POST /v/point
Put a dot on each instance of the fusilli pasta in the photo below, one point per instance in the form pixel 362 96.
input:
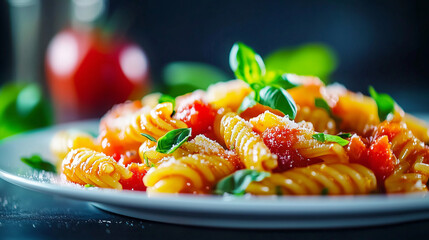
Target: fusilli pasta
pixel 195 173
pixel 85 166
pixel 332 179
pixel 306 145
pixel 238 135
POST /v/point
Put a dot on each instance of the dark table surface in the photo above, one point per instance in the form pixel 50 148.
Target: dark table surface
pixel 25 214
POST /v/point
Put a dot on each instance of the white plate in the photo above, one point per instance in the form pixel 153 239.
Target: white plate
pixel 213 211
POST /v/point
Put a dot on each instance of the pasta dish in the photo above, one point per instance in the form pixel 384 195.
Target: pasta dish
pixel 265 133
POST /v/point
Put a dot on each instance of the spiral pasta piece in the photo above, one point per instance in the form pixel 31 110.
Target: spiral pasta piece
pixel 332 179
pixel 155 122
pixel 320 119
pixel 85 166
pixel 250 147
pixel 200 144
pixel 406 183
pixel 64 141
pixel 196 173
pixel 412 169
pixel 306 145
pixel 411 153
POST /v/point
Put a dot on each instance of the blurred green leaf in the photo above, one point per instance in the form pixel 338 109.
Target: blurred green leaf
pixel 184 77
pixel 310 59
pixel 22 108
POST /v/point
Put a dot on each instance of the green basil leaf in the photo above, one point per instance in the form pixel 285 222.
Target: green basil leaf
pixel 237 182
pixel 321 103
pixel 246 64
pixel 38 163
pixel 89 186
pixel 277 79
pixel 323 137
pixel 344 135
pixel 248 102
pixel 23 107
pixel 172 140
pixel 167 98
pixel 312 59
pixel 149 137
pixel 278 98
pixel 385 103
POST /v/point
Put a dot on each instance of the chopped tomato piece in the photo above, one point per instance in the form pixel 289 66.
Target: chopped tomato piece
pixel 280 141
pixel 381 159
pixel 387 128
pixel 136 181
pixel 110 145
pixel 357 151
pixel 130 157
pixel 197 115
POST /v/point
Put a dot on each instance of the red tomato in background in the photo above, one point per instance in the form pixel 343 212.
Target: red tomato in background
pixel 89 73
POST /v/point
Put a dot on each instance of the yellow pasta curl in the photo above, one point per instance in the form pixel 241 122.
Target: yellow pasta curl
pixel 196 173
pixel 200 144
pixel 406 183
pixel 155 122
pixel 410 152
pixel 320 119
pixel 306 145
pixel 85 166
pixel 332 179
pixel 250 147
pixel 64 141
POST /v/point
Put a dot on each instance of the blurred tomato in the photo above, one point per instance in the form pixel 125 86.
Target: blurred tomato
pixel 89 72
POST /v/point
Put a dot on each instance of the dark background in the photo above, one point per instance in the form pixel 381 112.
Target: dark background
pixel 382 43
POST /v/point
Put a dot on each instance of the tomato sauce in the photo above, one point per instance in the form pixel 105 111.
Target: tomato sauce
pixel 136 181
pixel 280 140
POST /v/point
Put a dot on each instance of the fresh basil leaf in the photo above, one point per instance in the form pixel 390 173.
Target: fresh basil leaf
pixel 385 103
pixel 38 163
pixel 321 103
pixel 173 140
pixel 278 98
pixel 324 192
pixel 89 186
pixel 237 182
pixel 246 64
pixel 248 102
pixel 344 135
pixel 310 59
pixel 23 107
pixel 148 137
pixel 167 98
pixel 323 137
pixel 277 79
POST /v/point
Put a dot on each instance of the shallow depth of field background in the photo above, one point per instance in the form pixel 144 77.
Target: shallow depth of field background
pixel 379 43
